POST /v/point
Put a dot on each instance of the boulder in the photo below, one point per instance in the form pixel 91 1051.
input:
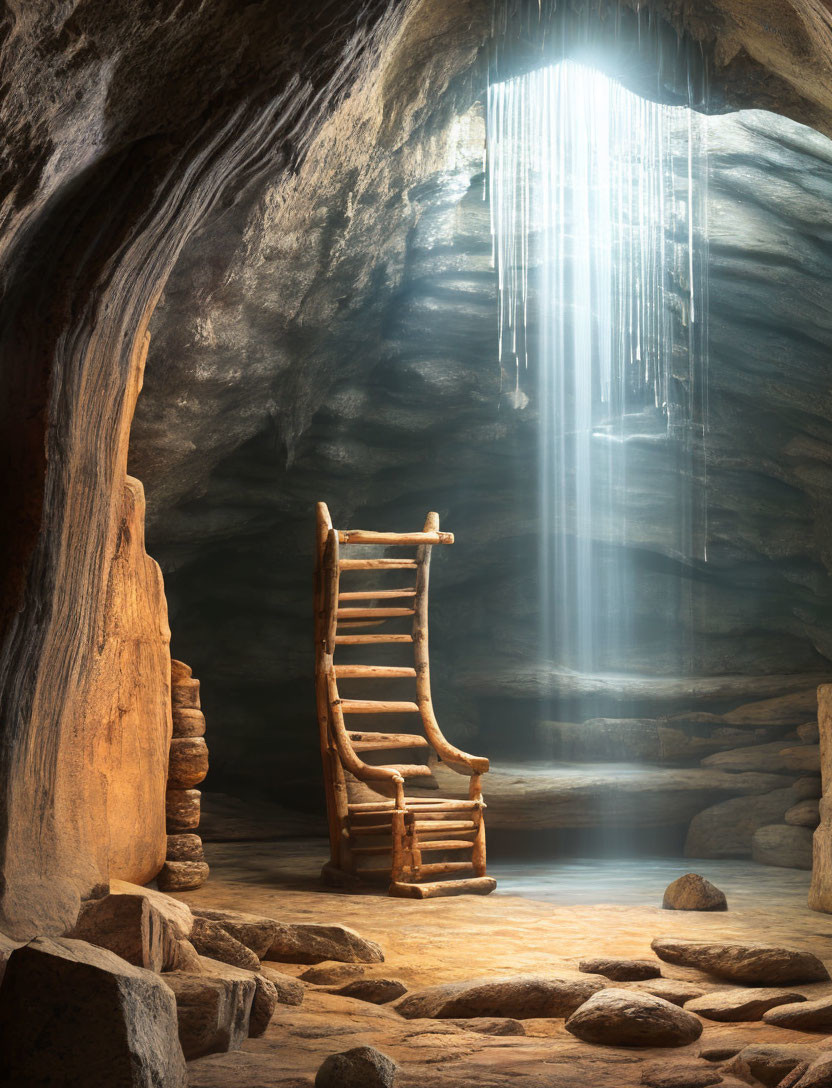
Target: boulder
pixel 182 876
pixel 520 997
pixel 74 1014
pixel 489 1025
pixel 769 1063
pixel 758 964
pixel 185 847
pixel 176 913
pixel 361 1067
pixel 129 926
pixel 725 830
pixel 210 939
pixel 179 671
pixel 376 991
pixel 804 813
pixel 783 845
pixel 331 973
pixel 254 931
pixel 730 1006
pixel 671 989
pixel 673 1075
pixel 616 1017
pixel 818 1074
pixel 805 1016
pixel 693 892
pixel 289 990
pixel 621 970
pixel 310 942
pixel 213 1007
pixel 266 1000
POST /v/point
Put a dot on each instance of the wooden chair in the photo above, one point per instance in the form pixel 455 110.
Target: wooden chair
pixel 371 818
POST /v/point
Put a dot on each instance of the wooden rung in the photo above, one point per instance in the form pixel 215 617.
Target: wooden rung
pixel 370 850
pixel 343 624
pixel 378 564
pixel 371 672
pixel 376 594
pixel 371 742
pixel 418 804
pixel 446 867
pixel 407 540
pixel 432 826
pixel 372 613
pixel 446 844
pixel 476 885
pixel 361 640
pixel 434 804
pixel 377 706
pixel 371 829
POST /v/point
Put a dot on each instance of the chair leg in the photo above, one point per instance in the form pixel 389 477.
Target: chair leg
pixel 478 852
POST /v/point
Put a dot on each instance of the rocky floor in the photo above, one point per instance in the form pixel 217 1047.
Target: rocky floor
pixel 565 912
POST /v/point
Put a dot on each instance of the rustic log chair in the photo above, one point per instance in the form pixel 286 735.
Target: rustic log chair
pixel 394 824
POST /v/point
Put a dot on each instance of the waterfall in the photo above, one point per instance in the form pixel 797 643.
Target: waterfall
pixel 597 211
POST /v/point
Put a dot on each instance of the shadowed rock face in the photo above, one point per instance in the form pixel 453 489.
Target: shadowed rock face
pixel 124 126
pixel 375 386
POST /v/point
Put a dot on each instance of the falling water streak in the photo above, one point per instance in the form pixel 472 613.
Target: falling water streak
pixel 597 234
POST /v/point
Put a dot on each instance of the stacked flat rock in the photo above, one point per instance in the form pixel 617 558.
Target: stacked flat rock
pixel 185 865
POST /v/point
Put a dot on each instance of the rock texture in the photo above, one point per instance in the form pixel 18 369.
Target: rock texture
pixel 757 964
pixel 693 892
pixel 623 1018
pixel 361 1067
pixel 769 1063
pixel 737 1005
pixel 621 970
pixel 256 933
pixel 806 1016
pixel 213 1007
pixel 129 926
pixel 378 991
pixel 212 940
pixel 820 893
pixel 520 997
pixel 312 942
pixel 71 1013
pixel 785 845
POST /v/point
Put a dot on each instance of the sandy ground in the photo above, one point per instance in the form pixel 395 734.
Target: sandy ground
pixel 472 937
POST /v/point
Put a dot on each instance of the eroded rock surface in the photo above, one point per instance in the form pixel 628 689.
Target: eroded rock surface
pixel 616 1017
pixel 71 1013
pixel 758 964
pixel 315 942
pixel 693 892
pixel 519 997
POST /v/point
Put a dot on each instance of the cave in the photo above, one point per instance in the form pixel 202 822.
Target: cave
pixel 536 288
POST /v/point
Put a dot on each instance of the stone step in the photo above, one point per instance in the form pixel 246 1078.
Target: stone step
pixel 541 796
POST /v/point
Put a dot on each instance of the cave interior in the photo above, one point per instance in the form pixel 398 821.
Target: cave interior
pixel 555 272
